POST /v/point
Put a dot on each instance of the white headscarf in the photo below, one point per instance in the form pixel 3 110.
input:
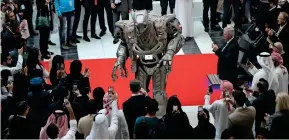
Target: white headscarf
pixel 100 126
pixel 266 62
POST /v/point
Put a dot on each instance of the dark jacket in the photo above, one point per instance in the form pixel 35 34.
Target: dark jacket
pixel 227 61
pixel 279 127
pixel 19 128
pixel 204 130
pixel 265 103
pixel 178 126
pixel 272 18
pixel 142 5
pixel 133 108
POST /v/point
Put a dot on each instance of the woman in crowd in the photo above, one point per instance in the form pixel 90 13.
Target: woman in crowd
pixel 204 129
pixel 43 11
pixel 35 68
pixel 57 70
pixel 76 81
pixel 221 108
pixel 176 120
pixel 279 122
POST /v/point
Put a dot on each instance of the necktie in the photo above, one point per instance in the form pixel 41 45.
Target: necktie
pixel 95 2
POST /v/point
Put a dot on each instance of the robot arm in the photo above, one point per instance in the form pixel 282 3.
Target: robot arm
pixel 175 44
pixel 122 55
pixel 175 32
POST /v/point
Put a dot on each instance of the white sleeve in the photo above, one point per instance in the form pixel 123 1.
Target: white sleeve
pixel 72 131
pixel 123 125
pixel 18 66
pixel 210 108
pixel 253 70
pixel 114 121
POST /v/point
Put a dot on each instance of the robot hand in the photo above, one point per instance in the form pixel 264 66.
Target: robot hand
pixel 166 61
pixel 122 69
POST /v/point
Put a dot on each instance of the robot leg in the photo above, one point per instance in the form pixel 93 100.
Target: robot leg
pixel 159 85
pixel 143 77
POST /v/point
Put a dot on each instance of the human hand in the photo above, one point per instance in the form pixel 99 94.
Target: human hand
pixel 266 118
pixel 249 65
pixel 86 74
pixel 10 87
pixel 113 96
pixel 25 71
pixel 270 32
pixel 142 91
pixel 20 51
pixel 215 47
pixel 113 6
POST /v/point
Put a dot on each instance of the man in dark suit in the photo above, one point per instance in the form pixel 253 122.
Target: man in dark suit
pixel 121 7
pixel 273 14
pixel 105 4
pixel 228 56
pixel 91 10
pixel 265 103
pixel 135 106
pixel 19 127
pixel 281 34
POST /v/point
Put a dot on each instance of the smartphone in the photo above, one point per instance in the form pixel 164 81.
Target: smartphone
pixel 65 101
pixel 86 70
pixel 110 90
pixel 210 89
pixel 75 87
pixel 175 108
pixel 10 80
pixel 200 108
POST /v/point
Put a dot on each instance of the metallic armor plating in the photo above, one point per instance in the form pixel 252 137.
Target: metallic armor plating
pixel 150 41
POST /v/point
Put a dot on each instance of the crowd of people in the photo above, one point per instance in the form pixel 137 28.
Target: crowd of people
pixel 33 108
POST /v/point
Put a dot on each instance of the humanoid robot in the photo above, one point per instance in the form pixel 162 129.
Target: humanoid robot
pixel 150 41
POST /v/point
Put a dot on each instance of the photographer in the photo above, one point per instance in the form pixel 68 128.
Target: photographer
pixel 78 83
pixel 6 61
pixel 57 71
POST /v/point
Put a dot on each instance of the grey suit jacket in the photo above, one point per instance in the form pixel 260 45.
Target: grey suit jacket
pixel 242 120
pixel 124 6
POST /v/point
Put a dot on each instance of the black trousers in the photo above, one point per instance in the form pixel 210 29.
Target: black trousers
pixel 263 11
pixel 210 4
pixel 164 5
pixel 90 11
pixel 28 16
pixel 109 16
pixel 44 37
pixel 236 4
pixel 76 19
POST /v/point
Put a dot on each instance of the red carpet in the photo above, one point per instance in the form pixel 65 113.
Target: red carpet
pixel 188 79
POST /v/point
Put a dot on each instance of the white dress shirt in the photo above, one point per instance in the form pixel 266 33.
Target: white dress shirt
pixel 15 69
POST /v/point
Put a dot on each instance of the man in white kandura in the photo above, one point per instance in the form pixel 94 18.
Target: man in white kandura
pixel 184 13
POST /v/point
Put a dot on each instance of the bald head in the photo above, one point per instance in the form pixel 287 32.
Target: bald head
pixel 229 33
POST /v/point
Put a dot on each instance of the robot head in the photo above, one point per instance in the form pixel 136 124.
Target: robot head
pixel 140 19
